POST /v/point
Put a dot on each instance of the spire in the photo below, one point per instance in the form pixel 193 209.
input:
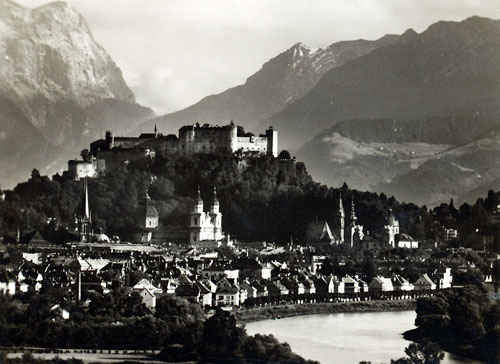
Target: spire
pixel 156 131
pixel 341 205
pixel 86 207
pixel 215 195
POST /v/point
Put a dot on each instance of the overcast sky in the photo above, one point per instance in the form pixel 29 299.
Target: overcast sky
pixel 174 52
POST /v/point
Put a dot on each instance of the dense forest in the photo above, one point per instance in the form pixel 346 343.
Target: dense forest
pixel 262 198
pixel 461 320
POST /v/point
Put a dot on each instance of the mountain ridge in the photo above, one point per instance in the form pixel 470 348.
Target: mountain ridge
pixel 281 80
pixel 57 76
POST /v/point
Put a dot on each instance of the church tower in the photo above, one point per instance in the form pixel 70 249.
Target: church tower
pixel 355 230
pixel 216 216
pixel 392 229
pixel 341 220
pixel 85 218
pixel 196 219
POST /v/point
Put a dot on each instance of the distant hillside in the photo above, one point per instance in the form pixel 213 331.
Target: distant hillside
pixel 426 161
pixel 282 80
pixel 60 88
pixel 450 67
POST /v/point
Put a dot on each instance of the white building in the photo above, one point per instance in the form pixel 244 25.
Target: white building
pixel 406 241
pixel 381 284
pixel 443 278
pixel 205 225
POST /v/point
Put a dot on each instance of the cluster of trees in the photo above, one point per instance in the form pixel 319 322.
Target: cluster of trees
pixel 220 340
pixel 117 320
pixel 462 320
pixel 120 323
pixel 27 358
pixel 262 198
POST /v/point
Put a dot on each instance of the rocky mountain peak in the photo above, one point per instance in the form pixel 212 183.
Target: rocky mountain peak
pixel 58 80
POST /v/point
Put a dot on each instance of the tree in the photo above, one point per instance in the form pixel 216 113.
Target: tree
pixel 284 155
pixel 426 353
pixel 85 155
pixel 369 269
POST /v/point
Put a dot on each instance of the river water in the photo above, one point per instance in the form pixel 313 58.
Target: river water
pixel 346 338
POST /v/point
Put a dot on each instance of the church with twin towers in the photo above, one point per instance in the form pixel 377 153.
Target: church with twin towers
pixel 343 234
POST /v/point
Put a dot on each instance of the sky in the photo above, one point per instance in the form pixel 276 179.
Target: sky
pixel 175 52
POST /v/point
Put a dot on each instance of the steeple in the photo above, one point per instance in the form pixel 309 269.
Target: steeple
pixel 341 222
pixel 341 206
pixel 156 131
pixel 86 207
pixel 85 219
pixel 198 206
pixel 215 203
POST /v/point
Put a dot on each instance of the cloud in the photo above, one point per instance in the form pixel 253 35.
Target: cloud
pixel 175 52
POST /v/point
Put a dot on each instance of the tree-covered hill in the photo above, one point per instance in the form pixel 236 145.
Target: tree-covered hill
pixel 261 198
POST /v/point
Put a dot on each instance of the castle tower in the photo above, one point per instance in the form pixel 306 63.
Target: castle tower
pixel 110 140
pixel 233 137
pixel 272 142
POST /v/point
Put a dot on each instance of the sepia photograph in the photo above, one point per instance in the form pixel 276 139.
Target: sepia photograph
pixel 250 182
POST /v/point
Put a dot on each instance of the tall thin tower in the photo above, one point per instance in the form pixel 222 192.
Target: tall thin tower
pixel 341 216
pixel 86 217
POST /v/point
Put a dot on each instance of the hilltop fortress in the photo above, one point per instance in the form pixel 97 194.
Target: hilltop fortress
pixel 108 153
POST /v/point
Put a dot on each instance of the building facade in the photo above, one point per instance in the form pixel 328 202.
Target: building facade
pixel 191 139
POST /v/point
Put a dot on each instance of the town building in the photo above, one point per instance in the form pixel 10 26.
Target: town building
pixel 424 283
pixel 406 241
pixel 381 284
pixel 205 225
pixel 450 234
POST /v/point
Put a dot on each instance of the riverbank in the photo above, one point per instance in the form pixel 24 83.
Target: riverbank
pixel 446 342
pixel 292 310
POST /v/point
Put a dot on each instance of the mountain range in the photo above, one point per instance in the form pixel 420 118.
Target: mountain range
pixel 415 115
pixel 281 81
pixel 58 89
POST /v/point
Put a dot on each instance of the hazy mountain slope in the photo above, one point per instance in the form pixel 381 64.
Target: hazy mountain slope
pixel 450 66
pixel 423 161
pixel 60 80
pixel 280 81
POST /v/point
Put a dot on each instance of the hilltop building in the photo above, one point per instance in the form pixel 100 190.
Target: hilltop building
pixel 192 139
pixel 205 225
pixel 91 168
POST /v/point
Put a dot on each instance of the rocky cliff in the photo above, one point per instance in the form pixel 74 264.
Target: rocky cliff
pixel 60 84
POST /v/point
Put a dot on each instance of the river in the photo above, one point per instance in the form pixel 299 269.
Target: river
pixel 346 338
